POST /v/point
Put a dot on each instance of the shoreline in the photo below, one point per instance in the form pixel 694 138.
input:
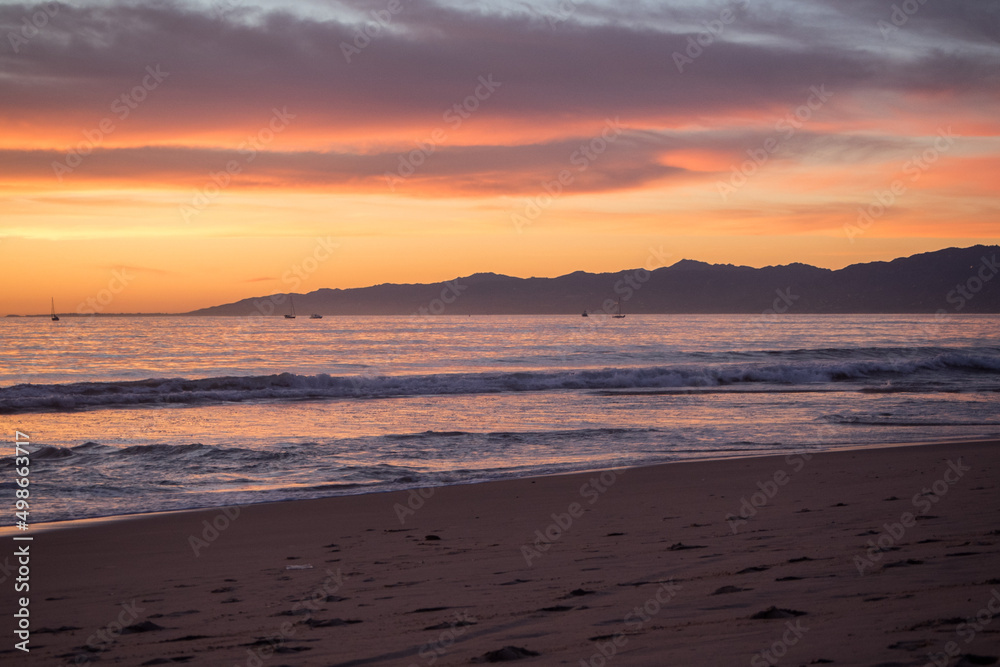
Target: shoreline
pixel 856 557
pixel 49 526
pixel 575 313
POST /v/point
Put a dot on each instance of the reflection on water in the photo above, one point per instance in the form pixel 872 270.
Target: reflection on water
pixel 532 399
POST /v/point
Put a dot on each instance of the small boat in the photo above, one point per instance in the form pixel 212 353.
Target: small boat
pixel 620 314
pixel 585 314
pixel 291 315
pixel 315 316
pixel 55 318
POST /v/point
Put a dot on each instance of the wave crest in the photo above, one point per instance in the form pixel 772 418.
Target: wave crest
pixel 794 370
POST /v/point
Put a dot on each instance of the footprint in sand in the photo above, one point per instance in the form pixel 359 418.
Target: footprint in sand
pixel 175 614
pixel 578 592
pixel 330 622
pixel 55 631
pixel 970 659
pixel 730 589
pixel 514 582
pixel 186 638
pixel 446 625
pixel 912 645
pixel 903 563
pixel 775 612
pixel 145 626
pixel 937 622
pixel 505 654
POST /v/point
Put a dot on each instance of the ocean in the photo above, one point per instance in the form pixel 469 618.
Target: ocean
pixel 142 414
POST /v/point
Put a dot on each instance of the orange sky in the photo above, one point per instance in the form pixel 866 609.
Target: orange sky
pixel 171 158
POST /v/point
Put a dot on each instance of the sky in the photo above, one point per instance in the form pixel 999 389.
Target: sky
pixel 170 156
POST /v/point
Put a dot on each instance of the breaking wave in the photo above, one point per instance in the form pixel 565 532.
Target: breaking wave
pixel 795 369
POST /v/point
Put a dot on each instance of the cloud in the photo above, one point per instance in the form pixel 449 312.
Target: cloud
pixel 626 159
pixel 623 161
pixel 229 71
pixel 556 83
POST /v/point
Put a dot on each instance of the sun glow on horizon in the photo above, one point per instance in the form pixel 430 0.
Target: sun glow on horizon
pixel 550 145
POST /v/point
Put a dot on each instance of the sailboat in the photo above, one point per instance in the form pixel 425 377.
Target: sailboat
pixel 55 318
pixel 620 314
pixel 291 315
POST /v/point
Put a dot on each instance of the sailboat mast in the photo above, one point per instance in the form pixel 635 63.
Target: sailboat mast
pixel 619 315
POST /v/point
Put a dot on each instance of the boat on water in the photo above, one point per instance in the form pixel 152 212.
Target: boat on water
pixel 585 314
pixel 291 315
pixel 315 316
pixel 55 318
pixel 619 315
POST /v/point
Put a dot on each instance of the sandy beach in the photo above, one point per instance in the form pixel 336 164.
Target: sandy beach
pixel 862 557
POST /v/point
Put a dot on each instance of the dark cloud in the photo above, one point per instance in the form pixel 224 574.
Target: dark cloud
pixel 228 70
pixel 967 23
